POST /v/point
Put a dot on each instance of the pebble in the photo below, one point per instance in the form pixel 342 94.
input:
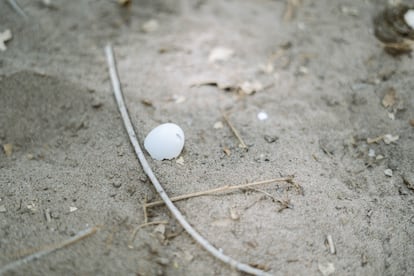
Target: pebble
pixel 262 116
pixel 270 138
pixel 388 172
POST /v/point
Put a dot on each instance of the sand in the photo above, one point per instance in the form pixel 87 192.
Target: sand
pixel 69 165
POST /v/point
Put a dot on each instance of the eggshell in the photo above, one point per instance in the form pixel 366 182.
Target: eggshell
pixel 166 141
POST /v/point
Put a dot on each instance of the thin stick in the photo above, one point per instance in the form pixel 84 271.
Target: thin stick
pixel 17 8
pixel 223 189
pixel 49 249
pixel 281 202
pixel 144 207
pixel 147 169
pixel 235 132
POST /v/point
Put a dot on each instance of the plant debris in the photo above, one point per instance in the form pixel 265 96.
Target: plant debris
pixel 388 138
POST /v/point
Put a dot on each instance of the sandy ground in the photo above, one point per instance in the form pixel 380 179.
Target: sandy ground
pixel 325 76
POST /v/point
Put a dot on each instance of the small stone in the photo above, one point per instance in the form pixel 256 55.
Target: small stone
pixel 180 161
pixel 262 116
pixel 116 184
pixel 408 179
pixel 412 122
pixel 162 261
pixel 8 149
pixel 4 37
pixel 150 26
pixel 388 172
pixel 96 103
pixel 218 125
pixel 371 153
pixel 326 269
pixel 220 54
pixel 270 139
pixel 72 209
pixel 379 157
pixel 2 209
pixel 30 156
pixel 234 215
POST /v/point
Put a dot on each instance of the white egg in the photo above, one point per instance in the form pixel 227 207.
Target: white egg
pixel 166 141
pixel 409 18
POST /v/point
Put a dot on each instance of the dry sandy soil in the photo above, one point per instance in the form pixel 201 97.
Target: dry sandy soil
pixel 325 77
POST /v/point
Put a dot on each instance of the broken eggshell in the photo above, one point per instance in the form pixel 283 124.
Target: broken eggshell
pixel 166 141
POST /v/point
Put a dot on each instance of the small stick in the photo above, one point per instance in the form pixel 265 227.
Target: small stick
pixel 331 245
pixel 234 130
pixel 291 6
pixel 223 189
pixel 375 140
pixel 144 207
pixel 134 232
pixel 49 249
pixel 17 8
pixel 284 203
pixel 116 85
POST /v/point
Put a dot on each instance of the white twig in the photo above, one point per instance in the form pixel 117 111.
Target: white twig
pixel 331 244
pixel 147 169
pixel 81 235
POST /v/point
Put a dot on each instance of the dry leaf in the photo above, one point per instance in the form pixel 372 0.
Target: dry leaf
pixel 220 54
pixel 390 98
pixel 4 37
pixel 8 149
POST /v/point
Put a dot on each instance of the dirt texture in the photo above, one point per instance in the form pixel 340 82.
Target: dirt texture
pixel 327 85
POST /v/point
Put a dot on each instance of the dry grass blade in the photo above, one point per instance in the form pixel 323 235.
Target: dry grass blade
pixel 116 85
pixel 235 132
pixel 49 249
pixel 222 189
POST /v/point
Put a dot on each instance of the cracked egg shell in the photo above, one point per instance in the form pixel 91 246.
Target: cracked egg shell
pixel 166 141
